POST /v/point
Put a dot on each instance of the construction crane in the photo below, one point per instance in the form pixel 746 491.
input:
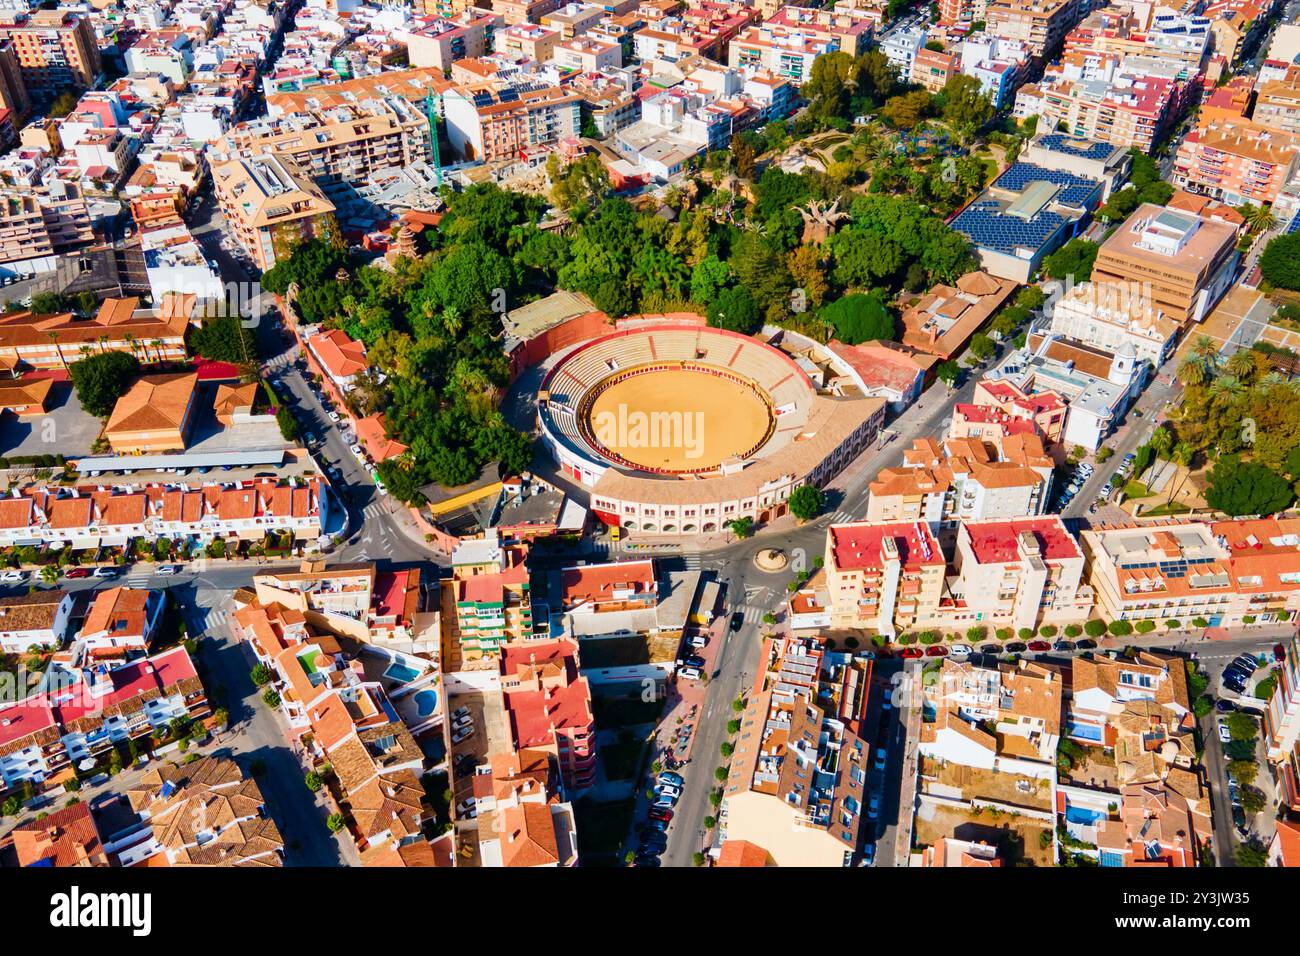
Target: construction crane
pixel 432 103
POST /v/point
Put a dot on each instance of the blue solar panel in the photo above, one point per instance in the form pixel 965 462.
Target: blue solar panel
pixel 1074 146
pixel 988 227
pixel 1077 191
pixel 1294 224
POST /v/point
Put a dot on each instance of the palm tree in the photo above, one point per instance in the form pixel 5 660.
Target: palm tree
pixel 1260 218
pixel 1192 372
pixel 1225 386
pixel 1243 366
pixel 1205 348
pixel 1162 439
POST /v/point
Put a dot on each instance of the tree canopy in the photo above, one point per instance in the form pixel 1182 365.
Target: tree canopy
pixel 1280 262
pixel 1239 487
pixel 100 380
pixel 861 317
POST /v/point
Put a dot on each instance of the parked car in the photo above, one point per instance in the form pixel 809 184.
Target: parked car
pixel 77 573
pixel 646 859
pixel 1087 644
pixel 11 577
pixel 882 757
pixel 911 653
pixel 168 569
pixel 1225 735
pixel 1247 663
pixel 1064 645
pixel 690 673
pixel 961 651
pixel 1224 706
pixel 873 807
pixel 699 640
pixel 737 621
pixel 334 417
pixel 1039 646
pixel 669 791
pixel 651 827
pixel 356 450
pixel 670 778
pixel 1015 647
pixel 463 734
pixel 655 813
pixel 991 649
pixel 936 650
pixel 694 660
pixel 104 573
pixel 467 807
pixel 868 855
pixel 1279 653
pixel 460 712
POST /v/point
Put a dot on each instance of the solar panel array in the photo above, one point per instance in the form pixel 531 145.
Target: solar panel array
pixel 986 225
pixel 1064 143
pixel 1077 191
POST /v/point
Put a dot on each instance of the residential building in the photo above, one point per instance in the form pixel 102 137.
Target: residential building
pixel 522 816
pixel 886 576
pixel 548 707
pixel 56 50
pixel 1040 24
pixel 39 619
pixel 962 479
pixel 933 69
pixel 155 414
pixel 501 122
pixel 201 813
pixel 438 42
pixel 901 47
pixel 798 776
pixel 1183 262
pixel 1123 102
pixel 943 320
pixel 56 341
pixel 66 837
pixel 491 592
pixel 121 622
pixel 1281 726
pixel 1111 317
pixel 1000 410
pixel 781 50
pixel 1237 161
pixel 1277 103
pixel 271 204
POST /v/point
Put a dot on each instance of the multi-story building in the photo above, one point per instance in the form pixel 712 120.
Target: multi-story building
pixel 1145 29
pixel 491 592
pixel 501 122
pixel 338 141
pixel 797 785
pixel 1281 727
pixel 960 480
pixel 548 707
pixel 1182 262
pixel 39 619
pixel 574 19
pixel 121 622
pixel 1237 161
pixel 1109 316
pixel 522 815
pixel 1019 574
pixel 271 205
pixel 933 69
pixel 1277 103
pixel 901 47
pixel 1226 573
pixel 782 50
pixel 1107 163
pixel 1040 24
pixel 13 91
pixel 999 64
pixel 883 576
pixel 56 50
pixel 94 707
pixel 850 27
pixel 438 42
pixel 36 225
pixel 55 341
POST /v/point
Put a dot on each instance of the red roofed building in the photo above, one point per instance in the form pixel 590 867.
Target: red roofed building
pixel 548 705
pixel 1019 574
pixel 883 576
pixel 341 357
pixel 66 837
pixel 120 621
pixel 491 589
pixel 743 853
pixel 1285 849
pixel 372 434
pixel 1044 410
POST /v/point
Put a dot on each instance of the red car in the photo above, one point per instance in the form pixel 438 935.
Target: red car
pixel 1040 646
pixel 77 573
pixel 911 653
pixel 659 813
pixel 936 650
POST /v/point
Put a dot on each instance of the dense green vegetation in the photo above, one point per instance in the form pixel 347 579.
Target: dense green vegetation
pixel 102 379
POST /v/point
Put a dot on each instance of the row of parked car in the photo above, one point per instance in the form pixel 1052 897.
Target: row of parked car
pixel 961 652
pixel 1075 478
pixel 652 837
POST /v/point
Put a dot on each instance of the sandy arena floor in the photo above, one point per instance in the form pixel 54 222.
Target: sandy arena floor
pixel 681 420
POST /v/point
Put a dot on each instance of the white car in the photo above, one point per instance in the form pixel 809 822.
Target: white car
pixel 356 450
pixel 960 651
pixel 380 487
pixel 12 576
pixel 669 791
pixel 463 734
pixel 103 573
pixel 1225 735
pixel 334 417
pixel 460 712
pixel 699 640
pixel 169 569
pixel 690 673
pixel 460 723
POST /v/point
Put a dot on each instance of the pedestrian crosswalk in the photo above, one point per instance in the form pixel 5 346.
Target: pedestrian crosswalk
pixel 214 618
pixel 750 613
pixel 138 575
pixel 376 509
pixel 691 560
pixel 840 517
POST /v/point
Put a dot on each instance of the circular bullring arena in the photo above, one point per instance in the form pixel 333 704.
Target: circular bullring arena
pixel 678 429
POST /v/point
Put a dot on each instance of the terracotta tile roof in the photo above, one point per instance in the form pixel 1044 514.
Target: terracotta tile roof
pixel 66 837
pixel 153 403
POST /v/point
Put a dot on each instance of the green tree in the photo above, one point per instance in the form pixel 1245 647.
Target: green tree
pixel 948 372
pixel 741 527
pixel 102 379
pixel 906 110
pixel 1075 258
pixel 225 339
pixel 1280 262
pixel 806 502
pixel 736 310
pixel 861 317
pixel 1239 487
pixel 964 104
pixel 335 822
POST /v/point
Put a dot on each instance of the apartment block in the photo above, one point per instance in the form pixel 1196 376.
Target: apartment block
pixel 1277 103
pixel 933 69
pixel 1040 24
pixel 271 205
pixel 439 42
pixel 30 340
pixel 501 122
pixel 37 224
pixel 1128 107
pixel 1227 573
pixel 40 619
pixel 1110 317
pixel 781 50
pixel 961 479
pixel 886 576
pixel 1237 161
pixel 1281 727
pixel 548 707
pixel 1145 29
pixel 797 788
pixel 56 50
pixel 1183 263
pixel 1019 574
pixel 491 594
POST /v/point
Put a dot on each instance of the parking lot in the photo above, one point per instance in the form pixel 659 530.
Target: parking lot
pixel 65 429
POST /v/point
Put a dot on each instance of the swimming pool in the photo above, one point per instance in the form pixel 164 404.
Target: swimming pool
pixel 402 673
pixel 1083 816
pixel 426 702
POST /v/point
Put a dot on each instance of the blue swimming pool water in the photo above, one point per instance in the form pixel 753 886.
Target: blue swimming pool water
pixel 426 701
pixel 1082 815
pixel 401 672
